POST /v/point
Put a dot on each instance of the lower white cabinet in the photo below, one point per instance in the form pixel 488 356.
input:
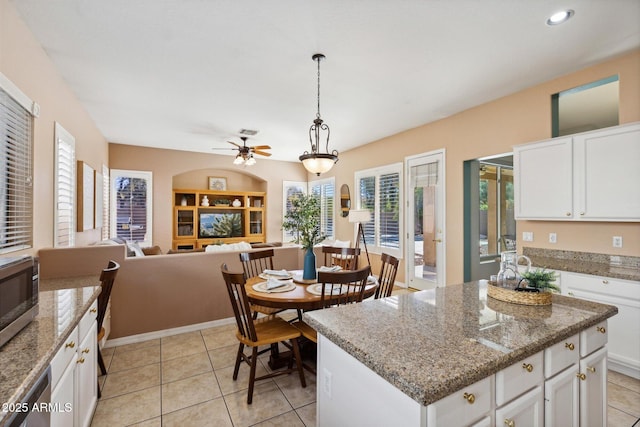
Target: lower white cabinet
pixel 593 389
pixel 624 341
pixel 526 410
pixel 561 399
pixel 464 406
pixel 74 375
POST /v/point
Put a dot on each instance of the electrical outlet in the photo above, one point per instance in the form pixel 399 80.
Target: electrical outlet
pixel 617 241
pixel 553 238
pixel 326 383
pixel 527 236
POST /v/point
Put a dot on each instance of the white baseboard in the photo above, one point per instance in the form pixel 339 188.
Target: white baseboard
pixel 623 368
pixel 167 332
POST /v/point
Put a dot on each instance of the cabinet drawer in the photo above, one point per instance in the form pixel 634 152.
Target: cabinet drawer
pixel 88 320
pixel 593 338
pixel 624 289
pixel 518 378
pixel 462 407
pixel 527 410
pixel 561 355
pixel 64 356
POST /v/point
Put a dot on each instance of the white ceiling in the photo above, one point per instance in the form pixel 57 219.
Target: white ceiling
pixel 189 74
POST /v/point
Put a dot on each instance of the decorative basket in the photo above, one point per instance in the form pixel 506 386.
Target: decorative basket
pixel 524 298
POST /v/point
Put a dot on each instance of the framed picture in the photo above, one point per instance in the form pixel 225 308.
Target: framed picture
pixel 217 183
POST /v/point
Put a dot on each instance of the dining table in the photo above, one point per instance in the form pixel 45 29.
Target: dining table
pixel 300 295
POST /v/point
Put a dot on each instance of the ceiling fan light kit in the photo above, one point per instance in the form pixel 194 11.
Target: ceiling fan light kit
pixel 316 161
pixel 245 153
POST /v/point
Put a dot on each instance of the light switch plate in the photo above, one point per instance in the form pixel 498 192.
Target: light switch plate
pixel 617 241
pixel 527 236
pixel 553 238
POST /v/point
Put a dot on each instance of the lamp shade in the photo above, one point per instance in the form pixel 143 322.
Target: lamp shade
pixel 318 162
pixel 359 215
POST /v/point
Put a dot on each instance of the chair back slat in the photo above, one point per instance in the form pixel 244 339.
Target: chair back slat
pixel 254 263
pixel 239 302
pixel 347 258
pixel 387 277
pixel 343 287
pixel 107 278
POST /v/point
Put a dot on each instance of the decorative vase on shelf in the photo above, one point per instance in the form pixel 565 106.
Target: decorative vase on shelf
pixel 309 271
pixel 183 202
pixel 205 201
pixel 236 203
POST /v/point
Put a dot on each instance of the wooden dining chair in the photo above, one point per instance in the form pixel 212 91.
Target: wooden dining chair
pixel 387 277
pixel 347 258
pixel 107 279
pixel 255 333
pixel 337 288
pixel 254 263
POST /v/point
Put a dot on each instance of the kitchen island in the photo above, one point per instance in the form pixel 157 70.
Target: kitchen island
pixel 399 360
pixel 27 355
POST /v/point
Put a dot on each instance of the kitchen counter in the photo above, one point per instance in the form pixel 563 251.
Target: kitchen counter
pixel 430 344
pixel 27 355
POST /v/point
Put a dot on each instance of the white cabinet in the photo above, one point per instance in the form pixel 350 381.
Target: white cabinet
pixel 624 341
pixel 561 399
pixel 593 389
pixel 463 407
pixel 527 410
pixel 74 375
pixel 589 176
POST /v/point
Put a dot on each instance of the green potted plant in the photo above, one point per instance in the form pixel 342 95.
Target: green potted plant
pixel 303 220
pixel 541 280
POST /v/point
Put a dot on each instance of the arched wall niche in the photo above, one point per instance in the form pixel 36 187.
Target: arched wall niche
pixel 236 181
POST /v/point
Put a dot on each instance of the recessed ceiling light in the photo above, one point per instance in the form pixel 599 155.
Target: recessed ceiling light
pixel 560 17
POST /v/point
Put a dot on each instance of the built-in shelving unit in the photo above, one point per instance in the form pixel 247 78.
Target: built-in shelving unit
pixel 203 217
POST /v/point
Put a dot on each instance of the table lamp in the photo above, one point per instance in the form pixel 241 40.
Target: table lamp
pixel 361 216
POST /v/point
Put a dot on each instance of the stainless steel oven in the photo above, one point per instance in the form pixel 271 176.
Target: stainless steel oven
pixel 18 294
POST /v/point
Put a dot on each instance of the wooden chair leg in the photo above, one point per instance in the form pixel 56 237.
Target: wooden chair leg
pixel 252 374
pixel 238 360
pixel 103 368
pixel 296 354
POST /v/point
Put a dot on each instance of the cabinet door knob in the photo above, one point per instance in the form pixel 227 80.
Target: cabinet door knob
pixel 568 214
pixel 581 376
pixel 70 344
pixel 601 329
pixel 591 369
pixel 581 213
pixel 605 282
pixel 570 294
pixel 469 397
pixel 94 310
pixel 86 350
pixel 509 423
pixel 527 366
pixel 81 360
pixel 569 345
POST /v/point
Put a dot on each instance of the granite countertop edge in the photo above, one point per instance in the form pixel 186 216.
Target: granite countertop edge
pixel 36 371
pixel 473 372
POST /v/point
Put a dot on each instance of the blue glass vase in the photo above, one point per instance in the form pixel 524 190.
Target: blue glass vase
pixel 309 271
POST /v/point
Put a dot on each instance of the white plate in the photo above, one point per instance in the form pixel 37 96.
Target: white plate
pixel 262 287
pixel 317 289
pixel 266 276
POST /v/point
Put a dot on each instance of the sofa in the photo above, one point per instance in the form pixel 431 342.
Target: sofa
pixel 159 292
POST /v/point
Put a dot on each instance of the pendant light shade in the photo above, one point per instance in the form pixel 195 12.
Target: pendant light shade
pixel 316 161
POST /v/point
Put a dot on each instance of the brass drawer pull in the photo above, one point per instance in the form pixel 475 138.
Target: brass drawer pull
pixel 527 366
pixel 94 310
pixel 509 423
pixel 81 360
pixel 469 397
pixel 591 369
pixel 86 350
pixel 601 329
pixel 70 344
pixel 605 282
pixel 581 376
pixel 569 345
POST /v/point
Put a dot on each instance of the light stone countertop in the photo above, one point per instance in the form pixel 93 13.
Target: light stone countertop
pixel 25 357
pixel 429 344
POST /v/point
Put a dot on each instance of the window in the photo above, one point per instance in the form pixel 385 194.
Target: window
pixel 379 191
pixel 105 202
pixel 65 194
pixel 325 190
pixel 16 167
pixel 290 189
pixel 131 206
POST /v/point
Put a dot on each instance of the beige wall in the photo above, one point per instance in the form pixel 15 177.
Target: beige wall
pixel 25 63
pixel 493 128
pixel 194 168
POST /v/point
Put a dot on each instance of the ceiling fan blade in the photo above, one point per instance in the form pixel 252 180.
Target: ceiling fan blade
pixel 262 153
pixel 223 148
pixel 233 143
pixel 261 147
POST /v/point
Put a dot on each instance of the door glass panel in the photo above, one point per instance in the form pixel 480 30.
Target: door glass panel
pixel 497 225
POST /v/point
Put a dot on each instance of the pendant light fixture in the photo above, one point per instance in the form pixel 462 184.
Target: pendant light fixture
pixel 316 161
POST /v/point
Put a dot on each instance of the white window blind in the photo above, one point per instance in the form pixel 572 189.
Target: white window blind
pixel 16 169
pixel 131 206
pixel 324 189
pixel 290 189
pixel 105 202
pixel 65 195
pixel 379 191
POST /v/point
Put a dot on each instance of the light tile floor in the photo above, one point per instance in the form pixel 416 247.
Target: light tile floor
pixel 185 380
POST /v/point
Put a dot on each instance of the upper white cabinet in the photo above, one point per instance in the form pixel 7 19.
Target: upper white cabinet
pixel 589 176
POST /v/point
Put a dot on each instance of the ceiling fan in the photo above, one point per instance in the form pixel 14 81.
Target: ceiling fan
pixel 245 152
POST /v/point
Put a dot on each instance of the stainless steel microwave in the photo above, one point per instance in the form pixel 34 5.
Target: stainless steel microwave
pixel 18 295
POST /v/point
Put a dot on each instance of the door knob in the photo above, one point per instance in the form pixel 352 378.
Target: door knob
pixel 437 240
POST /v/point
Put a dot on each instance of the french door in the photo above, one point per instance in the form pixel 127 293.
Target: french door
pixel 425 236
